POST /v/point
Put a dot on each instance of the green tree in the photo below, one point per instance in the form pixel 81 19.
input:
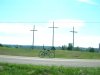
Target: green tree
pixel 53 48
pixel 91 49
pixel 77 49
pixel 1 45
pixel 64 47
pixel 70 46
pixel 17 46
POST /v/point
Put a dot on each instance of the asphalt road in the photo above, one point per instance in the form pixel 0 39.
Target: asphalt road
pixel 50 61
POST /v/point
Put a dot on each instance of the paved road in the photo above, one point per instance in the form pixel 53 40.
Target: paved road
pixel 51 61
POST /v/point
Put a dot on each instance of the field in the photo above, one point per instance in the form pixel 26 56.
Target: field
pixel 59 53
pixel 19 69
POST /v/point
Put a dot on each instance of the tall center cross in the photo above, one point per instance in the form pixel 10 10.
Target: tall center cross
pixel 73 31
pixel 33 36
pixel 53 27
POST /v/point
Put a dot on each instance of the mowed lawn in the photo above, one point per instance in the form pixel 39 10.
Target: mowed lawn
pixel 58 53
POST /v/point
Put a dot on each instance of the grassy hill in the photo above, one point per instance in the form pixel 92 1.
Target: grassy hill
pixel 58 53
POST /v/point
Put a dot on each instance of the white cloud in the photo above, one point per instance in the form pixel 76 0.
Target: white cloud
pixel 88 2
pixel 88 41
pixel 14 28
pixel 19 33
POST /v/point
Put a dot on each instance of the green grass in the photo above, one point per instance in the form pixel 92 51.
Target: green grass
pixel 19 52
pixel 59 53
pixel 77 54
pixel 19 69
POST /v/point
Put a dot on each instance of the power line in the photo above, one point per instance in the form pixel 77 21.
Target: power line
pixel 51 22
pixel 33 36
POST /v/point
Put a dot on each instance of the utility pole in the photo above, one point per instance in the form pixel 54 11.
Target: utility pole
pixel 33 36
pixel 73 31
pixel 53 27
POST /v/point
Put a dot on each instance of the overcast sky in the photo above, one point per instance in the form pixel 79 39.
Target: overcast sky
pixel 17 18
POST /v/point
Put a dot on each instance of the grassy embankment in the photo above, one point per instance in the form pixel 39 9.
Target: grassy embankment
pixel 18 69
pixel 59 53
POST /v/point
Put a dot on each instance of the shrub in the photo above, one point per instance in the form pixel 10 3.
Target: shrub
pixel 1 45
pixel 70 46
pixel 91 49
pixel 64 47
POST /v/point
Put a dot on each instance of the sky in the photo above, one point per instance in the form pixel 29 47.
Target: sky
pixel 17 18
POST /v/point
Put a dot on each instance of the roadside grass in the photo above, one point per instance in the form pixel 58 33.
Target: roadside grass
pixel 18 51
pixel 22 69
pixel 58 53
pixel 77 54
